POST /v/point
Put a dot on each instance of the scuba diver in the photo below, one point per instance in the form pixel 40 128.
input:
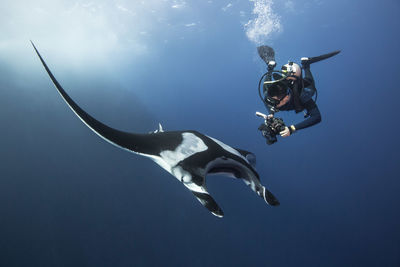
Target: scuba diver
pixel 288 90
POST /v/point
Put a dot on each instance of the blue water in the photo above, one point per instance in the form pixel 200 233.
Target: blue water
pixel 67 198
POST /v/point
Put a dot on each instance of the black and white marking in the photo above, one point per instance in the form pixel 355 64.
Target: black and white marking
pixel 188 155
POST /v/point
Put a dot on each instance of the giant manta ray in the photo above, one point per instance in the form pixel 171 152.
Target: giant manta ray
pixel 188 155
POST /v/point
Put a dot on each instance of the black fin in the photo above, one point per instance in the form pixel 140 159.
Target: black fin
pixel 322 57
pixel 266 53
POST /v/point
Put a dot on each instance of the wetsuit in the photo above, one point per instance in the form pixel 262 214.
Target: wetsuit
pixel 305 89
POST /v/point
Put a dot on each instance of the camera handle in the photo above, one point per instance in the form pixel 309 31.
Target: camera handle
pixel 265 117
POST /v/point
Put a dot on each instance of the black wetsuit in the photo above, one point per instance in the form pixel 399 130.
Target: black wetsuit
pixel 305 88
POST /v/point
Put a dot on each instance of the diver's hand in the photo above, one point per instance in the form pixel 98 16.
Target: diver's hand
pixel 285 132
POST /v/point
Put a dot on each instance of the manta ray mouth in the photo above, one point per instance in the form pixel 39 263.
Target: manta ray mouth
pixel 231 171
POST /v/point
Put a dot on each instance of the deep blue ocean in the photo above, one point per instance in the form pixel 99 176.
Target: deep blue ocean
pixel 68 198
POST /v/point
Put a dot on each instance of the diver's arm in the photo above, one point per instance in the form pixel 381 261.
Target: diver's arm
pixel 314 116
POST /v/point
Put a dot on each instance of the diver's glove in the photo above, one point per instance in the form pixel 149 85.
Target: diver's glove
pixel 288 131
pixel 271 65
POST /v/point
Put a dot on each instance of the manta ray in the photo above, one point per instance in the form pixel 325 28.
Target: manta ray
pixel 189 156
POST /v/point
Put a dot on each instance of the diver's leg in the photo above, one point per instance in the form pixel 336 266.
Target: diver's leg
pixel 308 77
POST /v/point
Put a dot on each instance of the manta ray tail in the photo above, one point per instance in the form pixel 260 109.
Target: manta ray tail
pixel 137 143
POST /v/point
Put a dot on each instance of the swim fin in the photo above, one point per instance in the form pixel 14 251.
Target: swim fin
pixel 311 60
pixel 266 53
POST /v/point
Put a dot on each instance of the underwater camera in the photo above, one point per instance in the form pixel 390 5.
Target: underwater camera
pixel 271 127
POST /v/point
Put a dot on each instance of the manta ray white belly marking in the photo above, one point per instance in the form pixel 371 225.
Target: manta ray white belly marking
pixel 191 144
pixel 187 155
pixel 168 159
